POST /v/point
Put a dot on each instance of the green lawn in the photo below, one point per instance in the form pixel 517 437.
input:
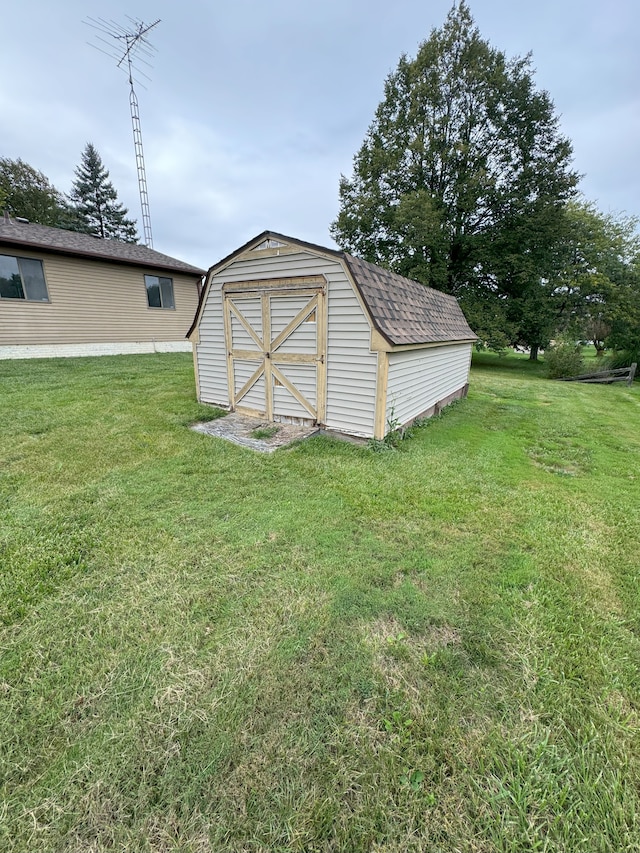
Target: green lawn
pixel 326 648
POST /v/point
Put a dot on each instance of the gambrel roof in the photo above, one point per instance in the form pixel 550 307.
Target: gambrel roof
pixel 18 234
pixel 405 312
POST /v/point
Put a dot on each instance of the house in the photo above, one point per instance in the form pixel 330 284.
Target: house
pixel 294 332
pixel 63 293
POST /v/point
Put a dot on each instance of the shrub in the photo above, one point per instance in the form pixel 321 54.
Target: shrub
pixel 624 358
pixel 563 360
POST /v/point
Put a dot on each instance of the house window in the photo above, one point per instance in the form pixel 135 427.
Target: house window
pixel 159 291
pixel 22 278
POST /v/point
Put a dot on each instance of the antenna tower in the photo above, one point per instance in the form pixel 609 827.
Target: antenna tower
pixel 127 45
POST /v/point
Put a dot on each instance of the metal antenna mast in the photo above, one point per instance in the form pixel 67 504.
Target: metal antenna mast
pixel 131 44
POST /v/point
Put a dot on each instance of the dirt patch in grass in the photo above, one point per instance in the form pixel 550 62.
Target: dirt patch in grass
pixel 398 655
pixel 386 634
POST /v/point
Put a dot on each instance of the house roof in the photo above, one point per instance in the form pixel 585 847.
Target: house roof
pixel 402 310
pixel 28 235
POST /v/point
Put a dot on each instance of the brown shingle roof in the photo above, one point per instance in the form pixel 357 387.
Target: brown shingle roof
pixel 402 310
pixel 405 311
pixel 28 235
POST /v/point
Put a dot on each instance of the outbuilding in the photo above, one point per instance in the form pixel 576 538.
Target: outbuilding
pixel 294 332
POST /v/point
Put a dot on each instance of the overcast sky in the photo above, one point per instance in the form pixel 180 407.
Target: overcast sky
pixel 255 109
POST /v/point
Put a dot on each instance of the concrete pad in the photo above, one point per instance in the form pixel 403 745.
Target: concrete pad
pixel 239 429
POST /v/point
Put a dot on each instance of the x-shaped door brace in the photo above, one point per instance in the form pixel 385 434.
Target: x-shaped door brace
pixel 267 348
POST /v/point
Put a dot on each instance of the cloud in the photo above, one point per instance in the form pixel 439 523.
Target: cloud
pixel 255 111
pixel 601 146
pixel 212 194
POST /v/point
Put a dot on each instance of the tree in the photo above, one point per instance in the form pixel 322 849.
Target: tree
pixel 623 313
pixel 594 287
pixel 26 192
pixel 96 200
pixel 462 180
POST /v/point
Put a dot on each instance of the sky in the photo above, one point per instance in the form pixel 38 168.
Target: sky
pixel 254 110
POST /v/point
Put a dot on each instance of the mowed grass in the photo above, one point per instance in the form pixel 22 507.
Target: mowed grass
pixel 322 649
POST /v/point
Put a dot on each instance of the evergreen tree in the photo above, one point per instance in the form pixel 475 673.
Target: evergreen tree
pixel 461 182
pixel 96 200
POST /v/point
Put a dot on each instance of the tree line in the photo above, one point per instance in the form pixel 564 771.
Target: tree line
pixel 465 183
pixel 91 207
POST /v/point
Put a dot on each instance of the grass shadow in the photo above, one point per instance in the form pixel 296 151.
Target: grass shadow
pixel 513 363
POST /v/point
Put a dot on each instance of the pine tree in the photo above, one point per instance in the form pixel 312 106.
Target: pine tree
pixel 96 200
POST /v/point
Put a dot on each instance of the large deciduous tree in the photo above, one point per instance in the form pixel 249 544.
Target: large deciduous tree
pixel 96 200
pixel 598 276
pixel 28 193
pixel 461 182
pixel 623 313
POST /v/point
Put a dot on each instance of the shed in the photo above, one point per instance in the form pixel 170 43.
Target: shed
pixel 295 332
pixel 67 294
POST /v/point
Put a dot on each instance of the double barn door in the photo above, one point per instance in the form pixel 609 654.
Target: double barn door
pixel 275 335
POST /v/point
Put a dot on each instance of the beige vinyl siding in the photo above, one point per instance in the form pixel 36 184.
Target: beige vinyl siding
pixel 239 335
pixel 351 366
pixel 246 268
pixel 418 379
pixel 95 302
pixel 303 378
pixel 255 396
pixel 283 308
pixel 303 339
pixel 211 352
pixel 251 310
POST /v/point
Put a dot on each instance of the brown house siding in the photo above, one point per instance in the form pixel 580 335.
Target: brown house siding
pixel 95 302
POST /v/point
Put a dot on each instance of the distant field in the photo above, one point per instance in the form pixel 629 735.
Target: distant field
pixel 326 648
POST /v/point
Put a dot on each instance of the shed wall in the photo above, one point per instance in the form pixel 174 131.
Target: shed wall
pixel 420 378
pixel 94 302
pixel 210 353
pixel 351 366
